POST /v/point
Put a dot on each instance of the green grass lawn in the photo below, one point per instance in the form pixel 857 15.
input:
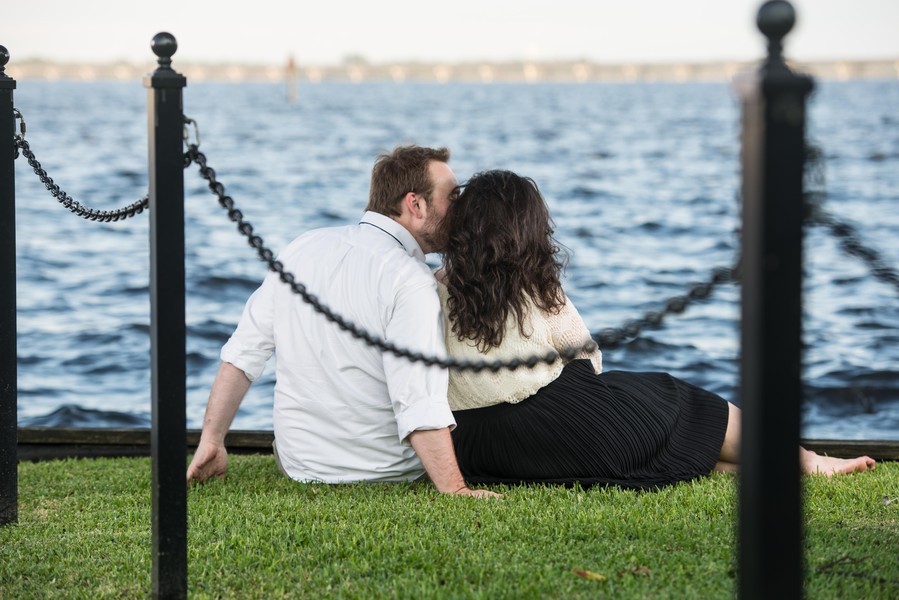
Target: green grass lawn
pixel 84 532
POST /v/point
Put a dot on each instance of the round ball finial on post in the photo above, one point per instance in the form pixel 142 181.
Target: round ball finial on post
pixel 164 46
pixel 4 58
pixel 775 20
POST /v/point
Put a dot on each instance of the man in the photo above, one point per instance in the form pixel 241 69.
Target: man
pixel 345 411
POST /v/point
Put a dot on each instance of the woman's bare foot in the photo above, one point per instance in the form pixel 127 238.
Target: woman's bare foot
pixel 815 464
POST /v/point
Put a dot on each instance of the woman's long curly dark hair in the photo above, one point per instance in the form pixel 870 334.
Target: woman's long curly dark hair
pixel 500 252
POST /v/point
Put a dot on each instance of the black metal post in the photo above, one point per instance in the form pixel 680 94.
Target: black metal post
pixel 167 328
pixel 773 156
pixel 9 464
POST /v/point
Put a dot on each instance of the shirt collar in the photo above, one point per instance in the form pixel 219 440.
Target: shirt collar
pixel 396 231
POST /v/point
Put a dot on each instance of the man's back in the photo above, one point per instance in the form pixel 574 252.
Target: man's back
pixel 341 407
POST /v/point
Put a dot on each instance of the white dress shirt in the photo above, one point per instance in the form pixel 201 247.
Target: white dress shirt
pixel 343 409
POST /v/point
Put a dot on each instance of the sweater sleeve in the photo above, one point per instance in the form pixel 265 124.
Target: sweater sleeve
pixel 569 330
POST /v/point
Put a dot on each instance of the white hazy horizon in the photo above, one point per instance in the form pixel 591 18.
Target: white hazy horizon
pixel 271 31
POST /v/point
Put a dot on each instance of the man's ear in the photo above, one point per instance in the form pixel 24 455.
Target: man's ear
pixel 413 202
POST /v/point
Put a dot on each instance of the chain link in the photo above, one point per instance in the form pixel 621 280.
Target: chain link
pixel 104 216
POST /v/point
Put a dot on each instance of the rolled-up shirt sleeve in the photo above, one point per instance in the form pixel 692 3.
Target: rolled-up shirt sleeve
pixel 252 344
pixel 418 392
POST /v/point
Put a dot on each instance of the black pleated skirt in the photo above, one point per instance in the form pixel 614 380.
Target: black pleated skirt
pixel 635 430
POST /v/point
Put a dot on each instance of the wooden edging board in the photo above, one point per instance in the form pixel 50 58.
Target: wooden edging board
pixel 45 443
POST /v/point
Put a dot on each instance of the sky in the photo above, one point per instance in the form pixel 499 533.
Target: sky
pixel 326 32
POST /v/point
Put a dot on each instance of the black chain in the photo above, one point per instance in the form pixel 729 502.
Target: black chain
pixel 614 337
pixel 73 205
pixel 194 155
pixel 851 243
pixel 608 338
pixel 850 240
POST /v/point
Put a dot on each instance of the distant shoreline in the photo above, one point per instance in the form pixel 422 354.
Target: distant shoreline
pixel 355 71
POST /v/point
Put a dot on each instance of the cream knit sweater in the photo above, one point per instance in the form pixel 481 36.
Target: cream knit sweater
pixel 544 332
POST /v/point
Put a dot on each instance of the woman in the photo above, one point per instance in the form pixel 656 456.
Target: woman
pixel 502 298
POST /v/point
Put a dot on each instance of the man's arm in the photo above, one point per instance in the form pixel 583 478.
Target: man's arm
pixel 434 448
pixel 228 390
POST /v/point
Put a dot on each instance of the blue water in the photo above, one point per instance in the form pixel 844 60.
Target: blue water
pixel 642 178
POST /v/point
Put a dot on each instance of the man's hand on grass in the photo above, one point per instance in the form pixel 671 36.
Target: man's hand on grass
pixel 483 494
pixel 210 460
